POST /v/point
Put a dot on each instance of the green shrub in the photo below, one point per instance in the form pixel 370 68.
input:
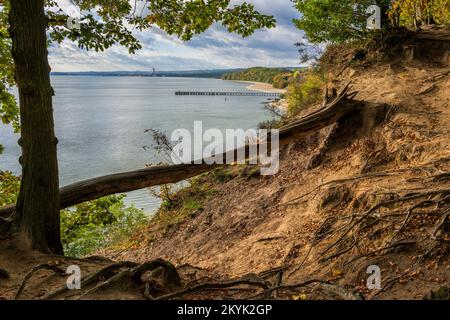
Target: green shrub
pixel 271 124
pixel 89 226
pixel 97 224
pixel 184 202
pixel 305 92
pixel 223 175
pixel 9 188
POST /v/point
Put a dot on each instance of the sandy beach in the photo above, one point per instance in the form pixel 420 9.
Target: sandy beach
pixel 263 87
pixel 281 104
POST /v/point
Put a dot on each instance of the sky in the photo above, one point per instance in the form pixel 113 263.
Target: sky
pixel 214 49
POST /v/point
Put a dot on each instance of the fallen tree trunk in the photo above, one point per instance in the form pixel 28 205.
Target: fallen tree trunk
pixel 334 108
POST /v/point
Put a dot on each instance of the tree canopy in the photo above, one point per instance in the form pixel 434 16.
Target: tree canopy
pixel 344 20
pixel 104 23
pixel 330 20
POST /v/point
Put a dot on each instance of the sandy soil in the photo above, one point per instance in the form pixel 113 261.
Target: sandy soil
pixel 372 190
pixel 263 87
pixel 256 224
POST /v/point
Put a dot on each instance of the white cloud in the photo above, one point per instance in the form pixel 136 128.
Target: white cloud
pixel 216 48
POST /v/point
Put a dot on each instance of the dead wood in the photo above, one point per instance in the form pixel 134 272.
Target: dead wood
pixel 268 273
pixel 336 107
pixel 122 276
pixel 207 286
pixel 439 225
pixel 400 243
pixel 364 167
pixel 325 286
pixel 51 267
pixel 104 273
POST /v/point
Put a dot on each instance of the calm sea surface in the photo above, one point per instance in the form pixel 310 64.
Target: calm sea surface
pixel 101 123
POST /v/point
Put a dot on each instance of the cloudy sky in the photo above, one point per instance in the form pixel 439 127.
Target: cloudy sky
pixel 216 48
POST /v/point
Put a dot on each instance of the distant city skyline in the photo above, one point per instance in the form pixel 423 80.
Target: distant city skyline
pixel 214 49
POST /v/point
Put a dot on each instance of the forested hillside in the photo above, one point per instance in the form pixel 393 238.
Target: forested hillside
pixel 278 77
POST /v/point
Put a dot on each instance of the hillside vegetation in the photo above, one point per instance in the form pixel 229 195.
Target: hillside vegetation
pixel 279 78
pixel 373 189
pixel 364 184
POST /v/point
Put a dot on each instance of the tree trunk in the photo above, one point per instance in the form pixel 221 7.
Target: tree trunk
pixel 384 6
pixel 37 210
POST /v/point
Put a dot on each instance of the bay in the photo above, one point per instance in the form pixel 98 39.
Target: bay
pixel 100 122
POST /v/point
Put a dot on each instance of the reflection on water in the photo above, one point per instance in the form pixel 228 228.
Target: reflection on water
pixel 100 122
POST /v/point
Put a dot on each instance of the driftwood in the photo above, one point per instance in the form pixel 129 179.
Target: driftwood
pixel 334 107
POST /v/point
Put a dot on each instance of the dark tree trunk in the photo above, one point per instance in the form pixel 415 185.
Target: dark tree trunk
pixel 385 21
pixel 37 210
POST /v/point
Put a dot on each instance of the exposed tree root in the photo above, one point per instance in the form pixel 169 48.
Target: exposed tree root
pixel 103 273
pixel 301 198
pixel 394 245
pixel 344 251
pixel 119 277
pixel 408 271
pixel 364 167
pixel 386 221
pixel 51 267
pixel 268 273
pixel 325 286
pixel 215 286
pixel 408 216
pixel 157 277
pixel 372 175
pixel 439 225
pixel 159 280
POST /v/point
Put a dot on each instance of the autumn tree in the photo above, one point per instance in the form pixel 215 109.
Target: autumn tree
pixel 416 12
pixel 103 23
pixel 346 20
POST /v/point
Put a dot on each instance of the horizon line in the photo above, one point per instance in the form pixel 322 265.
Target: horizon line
pixel 188 70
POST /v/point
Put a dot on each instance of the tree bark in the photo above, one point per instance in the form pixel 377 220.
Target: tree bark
pixel 38 204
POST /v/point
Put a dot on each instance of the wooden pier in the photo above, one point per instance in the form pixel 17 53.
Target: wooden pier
pixel 229 93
